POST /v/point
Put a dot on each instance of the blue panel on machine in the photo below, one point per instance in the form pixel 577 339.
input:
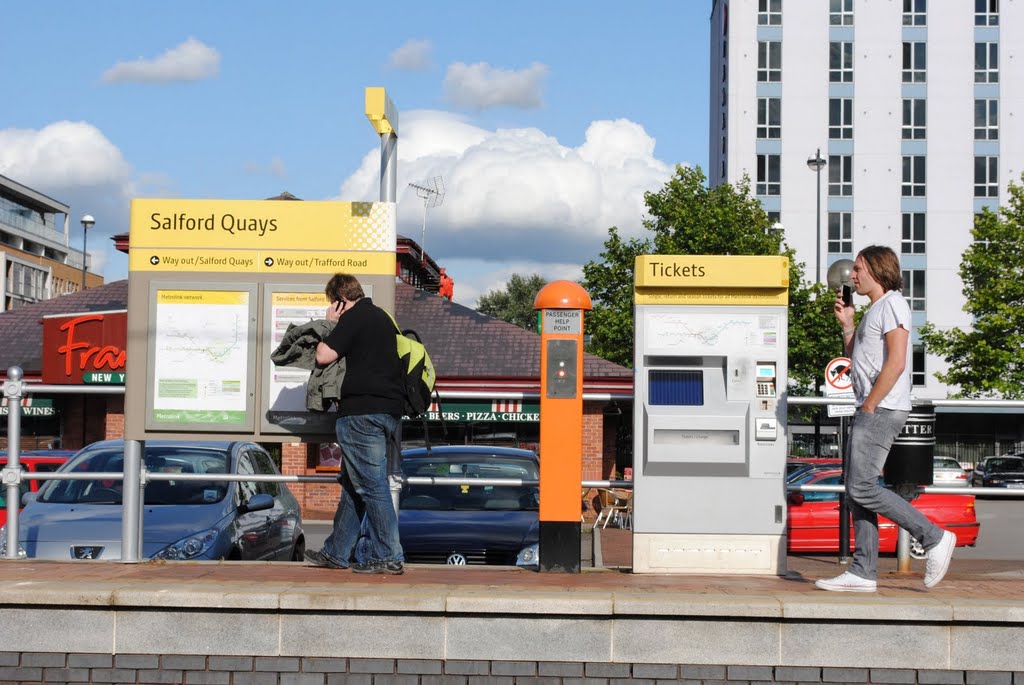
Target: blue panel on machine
pixel 679 388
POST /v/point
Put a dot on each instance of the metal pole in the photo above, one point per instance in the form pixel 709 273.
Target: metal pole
pixel 85 242
pixel 131 502
pixel 423 234
pixel 817 220
pixel 902 551
pixel 388 167
pixel 12 472
pixel 388 193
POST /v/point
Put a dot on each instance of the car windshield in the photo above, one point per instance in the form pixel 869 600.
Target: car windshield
pixel 1006 465
pixel 170 459
pixel 471 497
pixel 946 463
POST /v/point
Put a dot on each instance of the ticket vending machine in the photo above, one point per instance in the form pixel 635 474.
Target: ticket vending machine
pixel 710 414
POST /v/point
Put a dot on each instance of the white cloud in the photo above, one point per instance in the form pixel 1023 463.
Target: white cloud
pixel 191 61
pixel 481 86
pixel 517 201
pixel 73 162
pixel 414 55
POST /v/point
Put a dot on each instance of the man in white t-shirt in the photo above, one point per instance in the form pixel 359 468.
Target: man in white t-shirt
pixel 880 351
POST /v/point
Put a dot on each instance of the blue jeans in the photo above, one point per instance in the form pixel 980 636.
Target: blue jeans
pixel 871 437
pixel 365 508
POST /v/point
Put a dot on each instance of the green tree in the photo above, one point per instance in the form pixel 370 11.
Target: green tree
pixel 515 303
pixel 687 217
pixel 988 359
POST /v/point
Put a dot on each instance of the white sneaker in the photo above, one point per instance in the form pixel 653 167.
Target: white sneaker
pixel 847 582
pixel 938 559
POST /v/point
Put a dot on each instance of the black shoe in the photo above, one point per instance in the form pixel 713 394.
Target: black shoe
pixel 321 560
pixel 391 568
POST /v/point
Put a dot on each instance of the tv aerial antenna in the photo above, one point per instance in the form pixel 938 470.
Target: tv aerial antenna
pixel 432 193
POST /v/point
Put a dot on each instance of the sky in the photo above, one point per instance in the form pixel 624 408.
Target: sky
pixel 546 121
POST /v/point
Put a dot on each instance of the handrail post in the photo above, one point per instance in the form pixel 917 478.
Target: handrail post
pixel 131 502
pixel 13 392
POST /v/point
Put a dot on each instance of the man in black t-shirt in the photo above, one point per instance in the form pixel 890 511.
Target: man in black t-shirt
pixel 370 410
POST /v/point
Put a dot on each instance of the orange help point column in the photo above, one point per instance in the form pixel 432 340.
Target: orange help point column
pixel 561 305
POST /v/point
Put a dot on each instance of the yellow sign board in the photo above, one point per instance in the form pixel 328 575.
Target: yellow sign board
pixel 711 271
pixel 381 111
pixel 262 236
pixel 711 280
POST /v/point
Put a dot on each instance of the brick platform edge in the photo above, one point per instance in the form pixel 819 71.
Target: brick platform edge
pixel 58 667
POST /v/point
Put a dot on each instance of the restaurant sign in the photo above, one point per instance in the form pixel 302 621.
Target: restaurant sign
pixel 32 406
pixel 501 411
pixel 88 347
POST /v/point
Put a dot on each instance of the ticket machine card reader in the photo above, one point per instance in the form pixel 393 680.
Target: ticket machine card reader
pixel 765 380
pixel 765 428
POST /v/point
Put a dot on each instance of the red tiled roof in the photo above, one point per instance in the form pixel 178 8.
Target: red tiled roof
pixel 468 348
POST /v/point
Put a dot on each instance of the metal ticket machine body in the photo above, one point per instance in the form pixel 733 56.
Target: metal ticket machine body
pixel 710 414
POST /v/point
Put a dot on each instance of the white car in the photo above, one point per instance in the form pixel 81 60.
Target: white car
pixel 948 473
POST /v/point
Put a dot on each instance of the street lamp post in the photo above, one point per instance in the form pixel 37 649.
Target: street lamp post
pixel 816 164
pixel 87 223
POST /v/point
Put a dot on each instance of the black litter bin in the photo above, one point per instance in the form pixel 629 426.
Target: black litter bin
pixel 910 459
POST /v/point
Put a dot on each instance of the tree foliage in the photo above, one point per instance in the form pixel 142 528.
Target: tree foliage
pixel 988 359
pixel 515 303
pixel 687 217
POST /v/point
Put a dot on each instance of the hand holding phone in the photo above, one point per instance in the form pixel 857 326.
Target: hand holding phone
pixel 847 296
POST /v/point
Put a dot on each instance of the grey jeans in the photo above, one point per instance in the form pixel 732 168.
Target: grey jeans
pixel 870 439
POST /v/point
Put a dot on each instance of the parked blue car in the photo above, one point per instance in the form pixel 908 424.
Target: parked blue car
pixel 182 519
pixel 470 524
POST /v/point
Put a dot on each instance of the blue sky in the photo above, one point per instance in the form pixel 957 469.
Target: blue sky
pixel 546 120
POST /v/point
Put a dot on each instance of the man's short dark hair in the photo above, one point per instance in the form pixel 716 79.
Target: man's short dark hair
pixel 344 285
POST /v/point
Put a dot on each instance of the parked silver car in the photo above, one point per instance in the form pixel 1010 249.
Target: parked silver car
pixel 182 519
pixel 948 473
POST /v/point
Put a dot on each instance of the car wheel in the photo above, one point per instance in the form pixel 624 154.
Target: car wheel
pixel 917 550
pixel 299 551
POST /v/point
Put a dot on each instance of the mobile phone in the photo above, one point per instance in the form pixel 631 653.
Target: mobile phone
pixel 847 296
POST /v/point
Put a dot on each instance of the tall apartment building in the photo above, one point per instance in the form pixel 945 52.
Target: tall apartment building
pixel 36 259
pixel 916 107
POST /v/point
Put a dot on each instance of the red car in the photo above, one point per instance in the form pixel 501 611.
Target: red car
pixel 44 461
pixel 813 524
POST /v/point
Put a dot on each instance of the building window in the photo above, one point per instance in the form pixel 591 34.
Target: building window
pixel 986 176
pixel 840 118
pixel 840 175
pixel 986 12
pixel 913 233
pixel 769 175
pixel 986 119
pixel 913 119
pixel 986 62
pixel 917 374
pixel 913 288
pixel 769 117
pixel 769 61
pixel 840 13
pixel 840 62
pixel 913 176
pixel 840 232
pixel 769 12
pixel 914 62
pixel 914 12
pixel 774 218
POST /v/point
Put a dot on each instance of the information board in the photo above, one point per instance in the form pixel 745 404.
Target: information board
pixel 201 356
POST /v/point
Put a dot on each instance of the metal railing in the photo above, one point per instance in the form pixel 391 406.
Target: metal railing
pixel 135 476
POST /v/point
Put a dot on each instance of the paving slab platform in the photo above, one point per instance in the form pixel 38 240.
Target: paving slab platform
pixel 973 621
